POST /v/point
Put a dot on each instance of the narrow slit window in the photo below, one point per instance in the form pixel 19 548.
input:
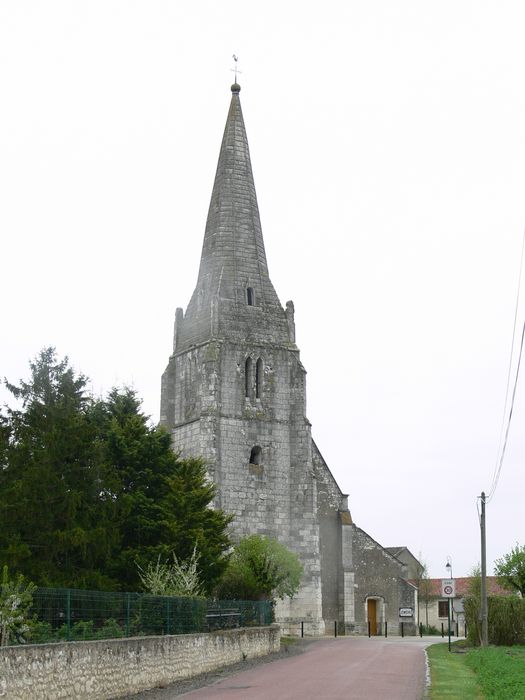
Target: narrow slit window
pixel 256 455
pixel 258 378
pixel 250 297
pixel 248 377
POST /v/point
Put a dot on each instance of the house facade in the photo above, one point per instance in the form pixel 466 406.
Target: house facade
pixel 433 606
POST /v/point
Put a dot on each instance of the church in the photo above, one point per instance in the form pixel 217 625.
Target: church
pixel 234 392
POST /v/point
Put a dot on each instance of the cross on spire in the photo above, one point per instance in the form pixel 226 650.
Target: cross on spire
pixel 235 68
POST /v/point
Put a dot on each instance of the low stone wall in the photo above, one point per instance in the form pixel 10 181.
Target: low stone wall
pixel 117 667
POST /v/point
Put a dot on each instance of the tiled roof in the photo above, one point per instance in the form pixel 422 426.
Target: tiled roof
pixel 463 585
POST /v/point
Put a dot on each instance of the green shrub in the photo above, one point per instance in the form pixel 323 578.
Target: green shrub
pixel 506 620
pixel 16 597
pixel 81 631
pixel 176 578
pixel 111 629
pixel 260 568
pixel 252 612
pixel 168 615
pixel 41 632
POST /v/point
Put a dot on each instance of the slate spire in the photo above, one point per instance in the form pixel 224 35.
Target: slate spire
pixel 233 270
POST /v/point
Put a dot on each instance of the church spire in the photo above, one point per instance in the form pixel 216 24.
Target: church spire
pixel 233 240
pixel 233 269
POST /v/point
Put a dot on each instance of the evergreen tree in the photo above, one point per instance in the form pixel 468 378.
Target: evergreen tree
pixel 89 489
pixel 140 461
pixel 162 502
pixel 189 522
pixel 4 442
pixel 53 509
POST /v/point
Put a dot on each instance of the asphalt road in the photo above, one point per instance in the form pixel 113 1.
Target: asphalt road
pixel 347 668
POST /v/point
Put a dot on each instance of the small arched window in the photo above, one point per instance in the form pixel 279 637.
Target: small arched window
pixel 248 382
pixel 256 455
pixel 250 296
pixel 258 378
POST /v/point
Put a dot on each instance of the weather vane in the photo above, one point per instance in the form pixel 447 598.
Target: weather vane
pixel 235 69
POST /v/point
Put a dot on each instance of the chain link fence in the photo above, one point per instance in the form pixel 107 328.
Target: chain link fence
pixel 64 614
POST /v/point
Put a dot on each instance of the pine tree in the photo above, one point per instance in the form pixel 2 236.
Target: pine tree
pixel 190 522
pixel 163 502
pixel 140 460
pixel 89 488
pixel 53 509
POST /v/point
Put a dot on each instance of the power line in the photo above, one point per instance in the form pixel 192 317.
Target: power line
pixel 499 464
pixel 484 500
pixel 497 475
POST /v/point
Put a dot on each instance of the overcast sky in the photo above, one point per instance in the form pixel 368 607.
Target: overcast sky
pixel 387 142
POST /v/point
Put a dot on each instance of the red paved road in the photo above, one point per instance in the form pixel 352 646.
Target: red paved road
pixel 344 668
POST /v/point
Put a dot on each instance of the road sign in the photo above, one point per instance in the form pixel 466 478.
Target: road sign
pixel 448 588
pixel 406 612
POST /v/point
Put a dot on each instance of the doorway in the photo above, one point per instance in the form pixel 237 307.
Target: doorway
pixel 371 607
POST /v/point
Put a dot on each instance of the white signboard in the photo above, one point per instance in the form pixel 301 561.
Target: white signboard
pixel 406 612
pixel 448 588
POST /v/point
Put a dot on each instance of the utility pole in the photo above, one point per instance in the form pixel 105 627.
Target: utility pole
pixel 484 610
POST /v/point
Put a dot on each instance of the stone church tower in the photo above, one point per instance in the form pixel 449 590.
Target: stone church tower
pixel 234 392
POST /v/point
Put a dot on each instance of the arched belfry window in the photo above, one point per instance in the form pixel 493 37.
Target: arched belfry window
pixel 248 380
pixel 256 455
pixel 258 378
pixel 250 296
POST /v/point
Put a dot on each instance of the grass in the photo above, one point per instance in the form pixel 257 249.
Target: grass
pixel 500 671
pixel 451 678
pixel 288 641
pixel 496 673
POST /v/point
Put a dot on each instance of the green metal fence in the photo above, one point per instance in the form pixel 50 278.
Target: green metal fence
pixel 64 614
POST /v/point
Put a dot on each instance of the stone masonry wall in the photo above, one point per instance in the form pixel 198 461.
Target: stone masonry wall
pixel 331 503
pixel 221 412
pixel 118 667
pixel 379 575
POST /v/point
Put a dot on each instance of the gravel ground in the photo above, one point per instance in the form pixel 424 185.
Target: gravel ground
pixel 185 686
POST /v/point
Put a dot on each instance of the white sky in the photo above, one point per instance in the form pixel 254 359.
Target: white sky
pixel 387 141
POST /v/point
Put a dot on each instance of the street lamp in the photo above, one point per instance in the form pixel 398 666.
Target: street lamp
pixel 448 567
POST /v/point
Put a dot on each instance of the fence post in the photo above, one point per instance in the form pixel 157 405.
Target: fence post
pixel 68 614
pixel 402 629
pixel 302 629
pixel 386 629
pixel 335 628
pixel 442 630
pixel 369 628
pixel 127 614
pixel 421 629
pixel 168 623
pixel 465 628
